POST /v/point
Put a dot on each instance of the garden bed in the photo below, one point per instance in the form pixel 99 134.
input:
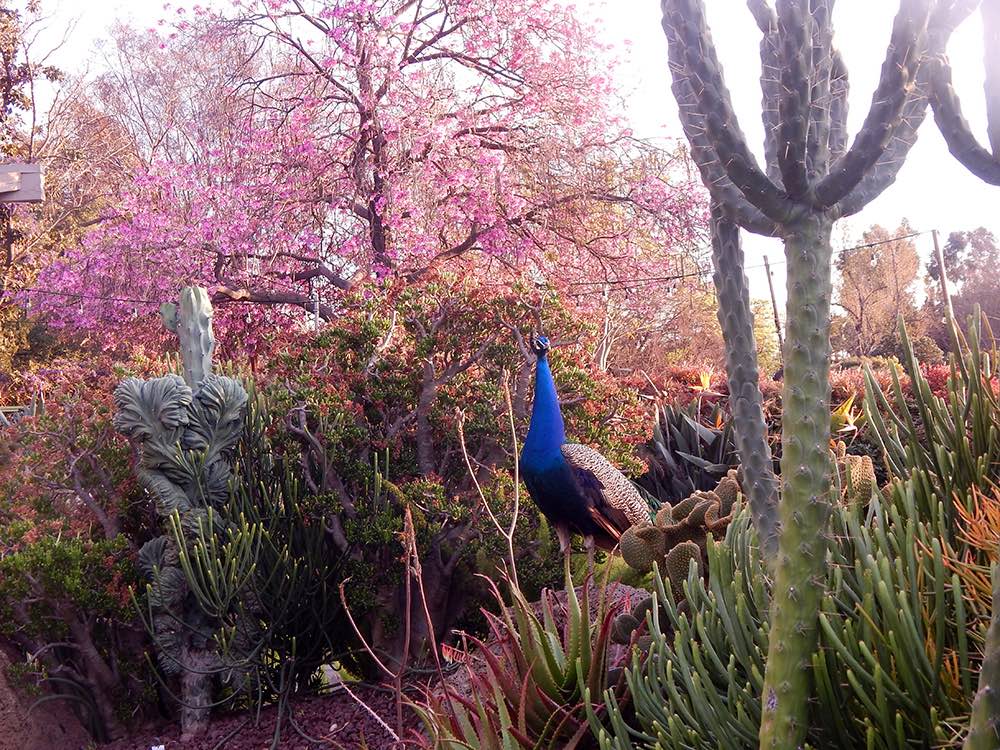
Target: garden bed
pixel 336 721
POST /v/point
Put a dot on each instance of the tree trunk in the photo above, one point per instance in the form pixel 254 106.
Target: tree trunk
pixel 196 691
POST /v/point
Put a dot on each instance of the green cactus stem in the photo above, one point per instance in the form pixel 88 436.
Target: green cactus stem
pixel 984 725
pixel 958 135
pixel 192 322
pixel 736 320
pixel 186 432
pixel 808 182
pixel 805 469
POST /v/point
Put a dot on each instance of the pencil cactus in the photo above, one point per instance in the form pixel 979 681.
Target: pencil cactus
pixel 894 618
pixel 811 178
pixel 186 430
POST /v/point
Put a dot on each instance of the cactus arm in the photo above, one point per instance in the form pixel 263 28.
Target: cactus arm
pixel 796 54
pixel 684 21
pixel 955 128
pixel 770 86
pixel 840 88
pixel 193 326
pixel 943 22
pixel 991 45
pixel 883 173
pixel 984 724
pixel 805 504
pixel 763 14
pixel 820 96
pixel 736 320
pixel 895 84
pixel 702 151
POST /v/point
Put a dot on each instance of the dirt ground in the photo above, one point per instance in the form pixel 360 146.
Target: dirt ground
pixel 337 721
pixel 49 726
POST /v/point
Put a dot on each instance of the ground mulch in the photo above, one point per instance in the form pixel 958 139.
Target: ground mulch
pixel 336 721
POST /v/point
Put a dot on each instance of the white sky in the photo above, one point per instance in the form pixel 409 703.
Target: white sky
pixel 933 191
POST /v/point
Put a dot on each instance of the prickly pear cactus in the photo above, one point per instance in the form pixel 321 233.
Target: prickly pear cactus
pixel 690 520
pixel 678 535
pixel 186 430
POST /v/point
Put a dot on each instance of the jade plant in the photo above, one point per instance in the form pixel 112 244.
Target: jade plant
pixel 186 430
pixel 811 177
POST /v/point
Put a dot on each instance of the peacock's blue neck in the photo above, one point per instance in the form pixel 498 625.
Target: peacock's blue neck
pixel 546 433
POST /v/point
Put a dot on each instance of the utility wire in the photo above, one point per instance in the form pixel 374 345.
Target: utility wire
pixel 80 296
pixel 616 282
pixel 705 272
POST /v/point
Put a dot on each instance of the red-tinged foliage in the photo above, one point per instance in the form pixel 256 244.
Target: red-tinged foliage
pixel 71 518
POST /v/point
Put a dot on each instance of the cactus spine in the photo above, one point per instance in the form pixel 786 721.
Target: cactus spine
pixel 811 179
pixel 186 431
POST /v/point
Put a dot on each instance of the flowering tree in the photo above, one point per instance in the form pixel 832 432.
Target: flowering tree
pixel 309 147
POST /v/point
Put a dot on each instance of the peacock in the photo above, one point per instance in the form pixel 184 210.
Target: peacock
pixel 575 487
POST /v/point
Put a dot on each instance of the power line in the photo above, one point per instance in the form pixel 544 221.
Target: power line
pixel 81 296
pixel 707 271
pixel 616 282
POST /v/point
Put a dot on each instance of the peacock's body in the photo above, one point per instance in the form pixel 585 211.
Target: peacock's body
pixel 577 489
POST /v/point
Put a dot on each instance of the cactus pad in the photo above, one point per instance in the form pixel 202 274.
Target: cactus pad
pixel 678 562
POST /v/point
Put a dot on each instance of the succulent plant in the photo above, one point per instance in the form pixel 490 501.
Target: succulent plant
pixel 690 520
pixel 677 537
pixel 812 176
pixel 186 430
pixel 855 476
pixel 686 455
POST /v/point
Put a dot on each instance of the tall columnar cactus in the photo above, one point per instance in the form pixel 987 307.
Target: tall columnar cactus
pixel 186 430
pixel 811 179
pixel 736 321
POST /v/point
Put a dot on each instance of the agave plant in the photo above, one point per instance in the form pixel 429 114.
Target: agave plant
pixel 686 455
pixel 539 668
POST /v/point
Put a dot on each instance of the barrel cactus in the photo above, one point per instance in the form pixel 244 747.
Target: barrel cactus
pixel 185 429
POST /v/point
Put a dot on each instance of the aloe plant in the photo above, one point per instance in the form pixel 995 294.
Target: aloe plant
pixel 685 454
pixel 532 692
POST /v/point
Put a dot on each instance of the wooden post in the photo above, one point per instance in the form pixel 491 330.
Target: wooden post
pixel 774 306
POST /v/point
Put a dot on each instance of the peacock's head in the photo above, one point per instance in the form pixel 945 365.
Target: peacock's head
pixel 540 346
